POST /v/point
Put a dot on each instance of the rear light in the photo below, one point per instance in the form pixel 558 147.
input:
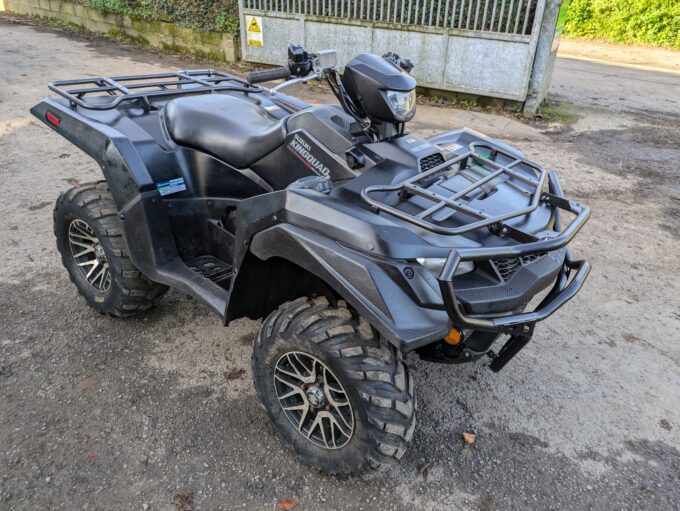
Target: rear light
pixel 52 119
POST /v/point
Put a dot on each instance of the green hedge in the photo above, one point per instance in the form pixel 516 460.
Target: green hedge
pixel 208 15
pixel 654 22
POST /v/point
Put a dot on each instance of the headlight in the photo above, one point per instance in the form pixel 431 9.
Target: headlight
pixel 435 264
pixel 403 104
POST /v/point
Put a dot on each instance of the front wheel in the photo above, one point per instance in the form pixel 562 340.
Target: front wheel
pixel 338 395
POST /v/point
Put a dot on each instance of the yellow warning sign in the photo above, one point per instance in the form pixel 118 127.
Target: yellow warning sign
pixel 254 32
pixel 254 27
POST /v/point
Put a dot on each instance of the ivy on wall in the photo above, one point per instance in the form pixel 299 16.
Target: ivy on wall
pixel 208 15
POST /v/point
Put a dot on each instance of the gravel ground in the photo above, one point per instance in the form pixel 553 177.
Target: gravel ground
pixel 97 413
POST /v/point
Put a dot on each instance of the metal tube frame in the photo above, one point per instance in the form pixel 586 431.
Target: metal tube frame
pixel 519 326
pixel 563 290
pixel 413 186
pixel 202 81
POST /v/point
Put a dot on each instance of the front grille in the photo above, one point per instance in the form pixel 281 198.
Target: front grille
pixel 507 267
pixel 429 162
pixel 531 258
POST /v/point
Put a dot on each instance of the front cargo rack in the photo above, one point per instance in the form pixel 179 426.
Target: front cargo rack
pixel 482 164
pixel 106 93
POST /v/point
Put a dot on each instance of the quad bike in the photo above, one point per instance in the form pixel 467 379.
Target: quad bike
pixel 356 241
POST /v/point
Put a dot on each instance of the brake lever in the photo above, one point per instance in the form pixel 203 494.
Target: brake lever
pixel 315 75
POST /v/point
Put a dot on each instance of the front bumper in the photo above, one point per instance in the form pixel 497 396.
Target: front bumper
pixel 520 326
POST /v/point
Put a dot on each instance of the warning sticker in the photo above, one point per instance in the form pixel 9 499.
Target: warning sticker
pixel 254 31
pixel 171 186
pixel 451 147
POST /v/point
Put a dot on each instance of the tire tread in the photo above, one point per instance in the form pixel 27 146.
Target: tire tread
pixel 375 367
pixel 133 292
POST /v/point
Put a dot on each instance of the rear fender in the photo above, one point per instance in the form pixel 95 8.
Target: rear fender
pixel 145 220
pixel 120 162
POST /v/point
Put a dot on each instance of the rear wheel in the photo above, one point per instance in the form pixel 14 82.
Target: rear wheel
pixel 90 240
pixel 338 395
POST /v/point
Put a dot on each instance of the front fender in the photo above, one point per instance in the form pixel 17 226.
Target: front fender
pixel 367 284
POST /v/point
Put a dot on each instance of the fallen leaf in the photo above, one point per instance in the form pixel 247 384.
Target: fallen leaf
pixel 182 501
pixel 286 504
pixel 234 374
pixel 93 454
pixel 629 337
pixel 423 469
pixel 469 438
pixel 665 424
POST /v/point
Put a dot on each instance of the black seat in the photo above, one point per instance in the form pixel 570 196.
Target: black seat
pixel 231 129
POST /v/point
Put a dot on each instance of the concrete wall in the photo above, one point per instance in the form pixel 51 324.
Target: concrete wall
pixel 473 62
pixel 160 34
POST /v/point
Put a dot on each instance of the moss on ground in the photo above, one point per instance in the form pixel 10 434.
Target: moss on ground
pixel 553 112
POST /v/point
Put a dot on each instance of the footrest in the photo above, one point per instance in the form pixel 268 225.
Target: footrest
pixel 212 269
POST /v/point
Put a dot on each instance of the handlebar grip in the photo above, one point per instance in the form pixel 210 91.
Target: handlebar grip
pixel 268 75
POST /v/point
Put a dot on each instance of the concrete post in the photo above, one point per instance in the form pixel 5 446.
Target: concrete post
pixel 242 29
pixel 546 53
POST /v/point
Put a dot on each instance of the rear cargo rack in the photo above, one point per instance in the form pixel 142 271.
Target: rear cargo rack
pixel 482 160
pixel 106 93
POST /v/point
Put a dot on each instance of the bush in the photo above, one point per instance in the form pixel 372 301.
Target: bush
pixel 654 22
pixel 139 9
pixel 208 15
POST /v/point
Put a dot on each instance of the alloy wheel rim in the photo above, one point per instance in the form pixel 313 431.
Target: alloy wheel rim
pixel 89 255
pixel 314 400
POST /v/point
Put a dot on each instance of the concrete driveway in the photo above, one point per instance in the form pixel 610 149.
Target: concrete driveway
pixel 616 87
pixel 97 413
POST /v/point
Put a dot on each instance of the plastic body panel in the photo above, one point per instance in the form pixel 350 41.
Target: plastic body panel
pixel 366 284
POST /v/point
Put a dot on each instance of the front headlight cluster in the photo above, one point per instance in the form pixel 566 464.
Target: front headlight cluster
pixel 402 104
pixel 435 264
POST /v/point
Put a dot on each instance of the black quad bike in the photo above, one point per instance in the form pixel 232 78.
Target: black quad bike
pixel 356 241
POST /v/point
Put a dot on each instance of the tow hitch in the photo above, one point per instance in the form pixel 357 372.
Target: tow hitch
pixel 512 346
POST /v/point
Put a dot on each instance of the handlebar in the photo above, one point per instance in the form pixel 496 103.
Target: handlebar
pixel 278 73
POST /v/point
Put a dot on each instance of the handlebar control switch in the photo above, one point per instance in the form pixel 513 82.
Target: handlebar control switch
pixel 299 60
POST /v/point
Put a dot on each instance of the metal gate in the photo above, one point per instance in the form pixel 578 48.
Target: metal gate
pixel 481 47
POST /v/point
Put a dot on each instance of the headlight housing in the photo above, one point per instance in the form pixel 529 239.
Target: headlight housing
pixel 435 264
pixel 402 104
pixel 382 90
